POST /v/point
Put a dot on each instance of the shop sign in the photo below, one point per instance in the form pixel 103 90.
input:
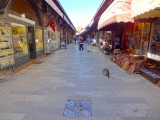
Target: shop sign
pixel 153 56
pixel 22 19
pixel 53 5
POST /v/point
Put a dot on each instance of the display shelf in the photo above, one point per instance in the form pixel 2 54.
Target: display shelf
pixel 149 73
pixel 7 57
pixel 5 49
pixel 149 77
pixel 4 42
pixel 6 67
pixel 5 28
pixel 39 49
pixel 5 35
pixel 20 55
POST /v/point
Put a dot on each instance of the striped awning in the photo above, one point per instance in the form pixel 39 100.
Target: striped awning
pixel 145 9
pixel 118 11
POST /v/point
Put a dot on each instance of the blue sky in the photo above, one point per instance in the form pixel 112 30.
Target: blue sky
pixel 80 12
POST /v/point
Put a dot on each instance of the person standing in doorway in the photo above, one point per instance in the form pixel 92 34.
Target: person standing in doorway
pixel 117 42
pixel 89 41
pixel 30 46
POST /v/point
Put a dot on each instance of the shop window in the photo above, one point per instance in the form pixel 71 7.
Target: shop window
pixel 19 39
pixel 154 49
pixel 38 39
pixel 53 37
pixel 6 46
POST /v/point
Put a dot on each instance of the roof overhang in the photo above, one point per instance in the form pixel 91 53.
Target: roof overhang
pixel 141 9
pixel 118 11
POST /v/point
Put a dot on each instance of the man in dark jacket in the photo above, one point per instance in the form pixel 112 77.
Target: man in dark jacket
pixel 81 41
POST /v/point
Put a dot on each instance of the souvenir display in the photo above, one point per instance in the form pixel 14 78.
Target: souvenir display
pixel 154 51
pixel 6 48
pixel 129 30
pixel 152 74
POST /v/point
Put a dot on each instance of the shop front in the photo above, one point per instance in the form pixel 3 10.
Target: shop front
pixel 26 33
pixel 114 17
pixel 151 69
pixel 129 57
pixel 20 43
pixel 150 12
pixel 140 32
pixel 6 45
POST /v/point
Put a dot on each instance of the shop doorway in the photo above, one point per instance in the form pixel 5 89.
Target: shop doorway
pixel 31 41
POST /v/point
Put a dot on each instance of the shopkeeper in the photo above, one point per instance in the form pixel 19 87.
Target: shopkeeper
pixel 117 42
pixel 30 46
pixel 125 44
pixel 131 42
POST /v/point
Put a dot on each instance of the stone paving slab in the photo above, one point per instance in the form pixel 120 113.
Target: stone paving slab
pixel 40 91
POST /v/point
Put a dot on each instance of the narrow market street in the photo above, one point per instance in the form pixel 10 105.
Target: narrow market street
pixel 40 91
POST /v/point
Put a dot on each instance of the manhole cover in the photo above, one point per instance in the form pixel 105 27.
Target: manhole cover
pixel 78 108
pixel 38 62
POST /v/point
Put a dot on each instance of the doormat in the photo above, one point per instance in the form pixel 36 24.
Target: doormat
pixel 39 62
pixel 78 108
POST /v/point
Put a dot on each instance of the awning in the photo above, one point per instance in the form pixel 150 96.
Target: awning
pixel 145 9
pixel 118 11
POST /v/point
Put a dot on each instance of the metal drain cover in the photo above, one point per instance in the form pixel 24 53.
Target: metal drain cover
pixel 78 108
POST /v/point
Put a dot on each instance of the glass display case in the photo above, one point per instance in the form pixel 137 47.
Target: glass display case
pixel 19 39
pixel 6 46
pixel 48 40
pixel 145 38
pixel 38 39
pixel 154 47
pixel 53 37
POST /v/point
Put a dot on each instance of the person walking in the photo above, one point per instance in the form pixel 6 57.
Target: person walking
pixel 89 41
pixel 81 41
pixel 75 40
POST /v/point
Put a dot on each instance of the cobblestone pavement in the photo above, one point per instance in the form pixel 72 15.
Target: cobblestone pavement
pixel 40 92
